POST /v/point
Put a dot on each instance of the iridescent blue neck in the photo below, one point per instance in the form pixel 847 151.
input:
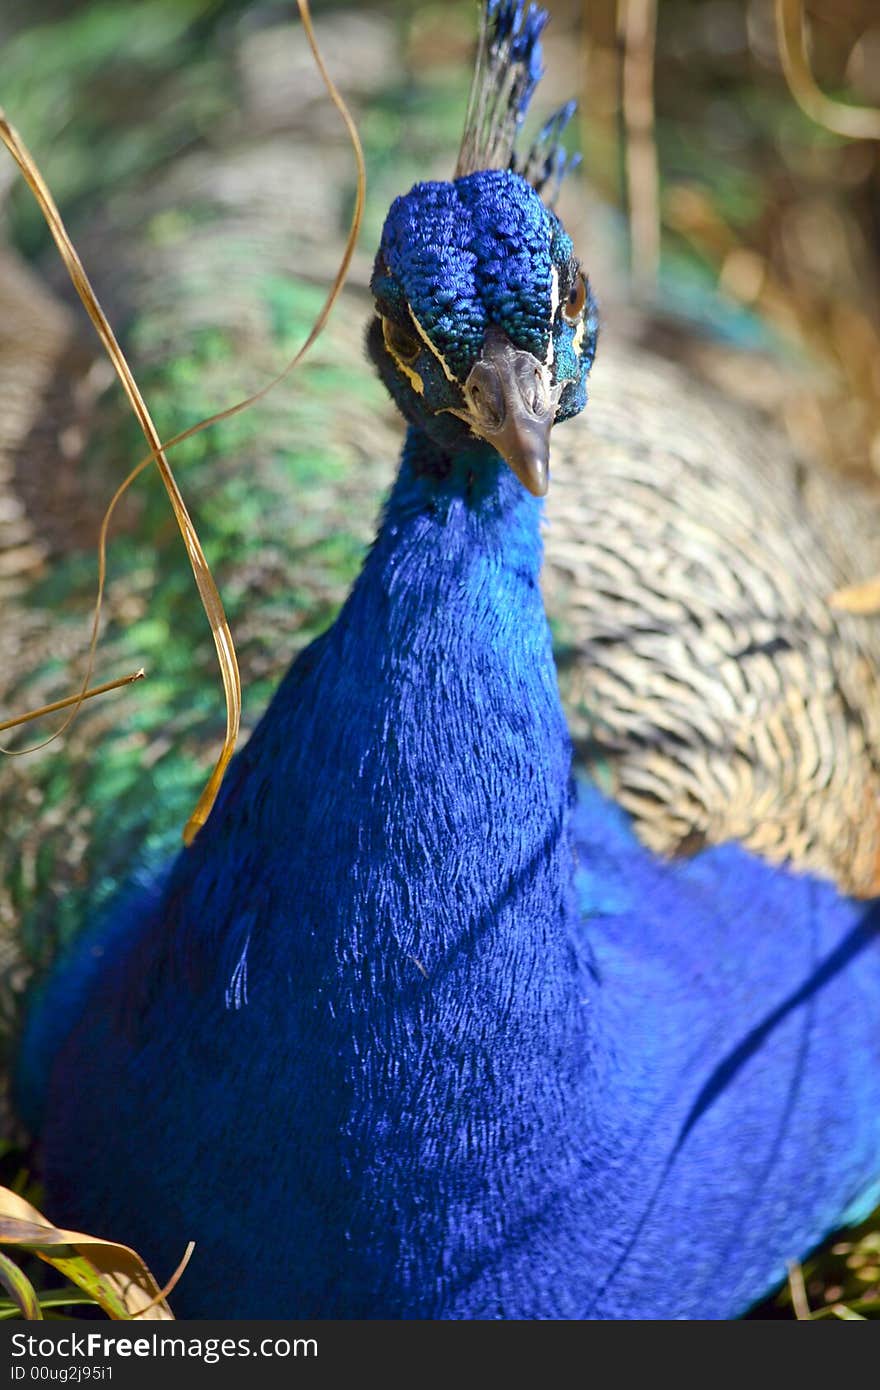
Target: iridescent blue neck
pixel 419 748
pixel 479 504
pixel 447 675
pixel 372 934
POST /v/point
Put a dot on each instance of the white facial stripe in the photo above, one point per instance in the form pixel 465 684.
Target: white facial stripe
pixel 579 335
pixel 554 305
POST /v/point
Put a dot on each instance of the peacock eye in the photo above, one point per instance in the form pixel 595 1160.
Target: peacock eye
pixel 402 344
pixel 577 298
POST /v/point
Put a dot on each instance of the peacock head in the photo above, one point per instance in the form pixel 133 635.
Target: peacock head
pixel 485 325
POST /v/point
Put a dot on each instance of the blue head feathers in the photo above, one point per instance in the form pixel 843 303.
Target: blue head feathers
pixel 486 327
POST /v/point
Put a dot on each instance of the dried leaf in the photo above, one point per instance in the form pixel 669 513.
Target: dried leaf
pixel 112 1274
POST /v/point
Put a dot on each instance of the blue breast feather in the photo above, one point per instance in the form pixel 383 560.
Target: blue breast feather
pixel 417 1028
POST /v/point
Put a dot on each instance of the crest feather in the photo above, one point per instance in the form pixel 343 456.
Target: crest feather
pixel 508 68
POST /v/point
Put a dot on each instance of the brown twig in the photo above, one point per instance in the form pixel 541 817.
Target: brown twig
pixel 163 1293
pixel 72 700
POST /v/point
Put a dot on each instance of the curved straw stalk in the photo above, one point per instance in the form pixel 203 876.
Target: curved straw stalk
pixel 157 449
pixel 854 122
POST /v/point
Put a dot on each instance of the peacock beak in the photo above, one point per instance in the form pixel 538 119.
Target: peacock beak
pixel 511 403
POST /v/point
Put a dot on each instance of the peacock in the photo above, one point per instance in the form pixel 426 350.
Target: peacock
pixel 458 1007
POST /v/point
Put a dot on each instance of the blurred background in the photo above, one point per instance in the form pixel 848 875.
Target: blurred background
pixel 727 212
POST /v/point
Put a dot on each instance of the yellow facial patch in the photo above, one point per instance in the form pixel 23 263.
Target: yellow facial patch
pixel 409 372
